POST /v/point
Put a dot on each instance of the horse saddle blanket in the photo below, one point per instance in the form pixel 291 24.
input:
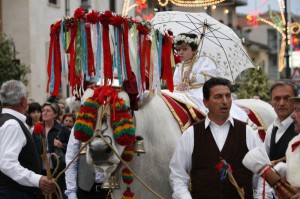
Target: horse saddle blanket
pixel 185 114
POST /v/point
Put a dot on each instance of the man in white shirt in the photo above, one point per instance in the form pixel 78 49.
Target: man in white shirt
pixel 293 151
pixel 20 167
pixel 82 180
pixel 282 130
pixel 203 145
pixel 280 133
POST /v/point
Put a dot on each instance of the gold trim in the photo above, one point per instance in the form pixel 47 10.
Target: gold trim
pixel 194 86
pixel 182 101
pixel 263 125
pixel 182 127
pixel 192 112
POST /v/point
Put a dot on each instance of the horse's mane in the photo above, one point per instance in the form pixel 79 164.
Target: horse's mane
pixel 147 96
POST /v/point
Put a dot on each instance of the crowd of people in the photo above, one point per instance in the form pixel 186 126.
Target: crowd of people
pixel 220 137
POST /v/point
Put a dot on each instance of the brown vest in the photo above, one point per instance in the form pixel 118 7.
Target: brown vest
pixel 206 183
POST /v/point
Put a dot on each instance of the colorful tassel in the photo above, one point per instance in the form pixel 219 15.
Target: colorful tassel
pixel 128 153
pixel 86 120
pixel 128 194
pixel 123 126
pixel 127 176
pixel 224 169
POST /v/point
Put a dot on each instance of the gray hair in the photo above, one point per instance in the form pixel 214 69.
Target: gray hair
pixel 284 82
pixel 12 92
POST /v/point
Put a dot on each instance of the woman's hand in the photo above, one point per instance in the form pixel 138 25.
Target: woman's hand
pixel 58 143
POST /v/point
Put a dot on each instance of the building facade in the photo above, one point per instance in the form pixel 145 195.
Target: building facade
pixel 28 23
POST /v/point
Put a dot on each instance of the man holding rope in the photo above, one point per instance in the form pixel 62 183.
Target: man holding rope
pixel 219 142
pixel 20 166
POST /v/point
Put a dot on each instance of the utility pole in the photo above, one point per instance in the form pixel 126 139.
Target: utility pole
pixel 287 47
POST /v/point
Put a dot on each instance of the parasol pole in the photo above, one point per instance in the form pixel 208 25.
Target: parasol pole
pixel 205 25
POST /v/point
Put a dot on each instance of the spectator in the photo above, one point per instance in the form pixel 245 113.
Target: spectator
pixel 69 120
pixel 19 161
pixel 34 115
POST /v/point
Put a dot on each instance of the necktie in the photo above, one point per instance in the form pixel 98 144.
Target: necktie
pixel 274 130
pixel 294 146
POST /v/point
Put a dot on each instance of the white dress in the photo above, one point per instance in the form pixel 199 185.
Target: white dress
pixel 203 69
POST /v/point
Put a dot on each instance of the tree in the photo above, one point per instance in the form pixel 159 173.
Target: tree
pixel 10 68
pixel 254 82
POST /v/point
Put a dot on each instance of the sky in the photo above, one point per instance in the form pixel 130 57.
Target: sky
pixel 264 4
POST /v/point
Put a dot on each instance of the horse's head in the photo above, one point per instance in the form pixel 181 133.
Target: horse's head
pixel 109 136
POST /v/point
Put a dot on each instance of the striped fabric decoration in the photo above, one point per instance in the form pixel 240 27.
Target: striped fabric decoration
pixel 127 176
pixel 123 126
pixel 128 194
pixel 86 120
pixel 128 153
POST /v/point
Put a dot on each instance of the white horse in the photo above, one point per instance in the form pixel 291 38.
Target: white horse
pixel 161 132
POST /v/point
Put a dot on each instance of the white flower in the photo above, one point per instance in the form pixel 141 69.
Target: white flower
pixel 185 39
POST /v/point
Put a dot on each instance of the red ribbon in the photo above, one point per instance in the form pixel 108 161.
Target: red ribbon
pixel 294 146
pixel 142 45
pixel 91 65
pixel 104 19
pixel 126 50
pixel 166 63
pixel 54 54
pixel 264 181
pixel 71 51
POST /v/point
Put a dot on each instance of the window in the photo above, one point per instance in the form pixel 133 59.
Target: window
pixel 54 2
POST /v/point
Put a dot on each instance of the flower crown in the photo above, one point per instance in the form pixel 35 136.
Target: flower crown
pixel 186 39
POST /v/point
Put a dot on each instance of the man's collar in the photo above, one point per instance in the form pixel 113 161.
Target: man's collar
pixel 287 121
pixel 17 114
pixel 208 121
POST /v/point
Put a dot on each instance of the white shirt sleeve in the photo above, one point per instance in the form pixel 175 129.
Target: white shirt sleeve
pixel 71 173
pixel 252 138
pixel 12 140
pixel 180 165
pixel 253 141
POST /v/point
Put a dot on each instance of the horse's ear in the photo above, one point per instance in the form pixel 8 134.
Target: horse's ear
pixel 87 94
pixel 130 86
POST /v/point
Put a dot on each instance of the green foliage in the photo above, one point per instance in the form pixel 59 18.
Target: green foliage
pixel 9 67
pixel 254 82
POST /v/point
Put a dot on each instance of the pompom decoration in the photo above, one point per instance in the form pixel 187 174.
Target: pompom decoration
pixel 123 126
pixel 128 194
pixel 128 153
pixel 224 169
pixel 86 120
pixel 127 176
pixel 39 128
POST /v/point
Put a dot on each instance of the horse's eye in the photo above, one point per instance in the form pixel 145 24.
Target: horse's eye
pixel 108 150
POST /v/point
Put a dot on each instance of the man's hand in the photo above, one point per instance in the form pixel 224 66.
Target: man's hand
pixel 46 185
pixel 297 196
